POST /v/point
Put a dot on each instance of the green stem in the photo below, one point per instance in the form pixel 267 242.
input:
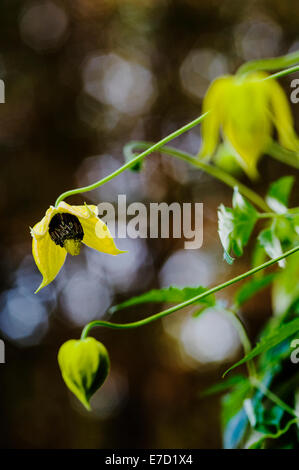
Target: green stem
pixel 282 73
pixel 275 435
pixel 283 155
pixel 209 169
pixel 237 323
pixel 268 64
pixel 260 386
pixel 132 162
pixel 270 215
pixel 274 63
pixel 191 301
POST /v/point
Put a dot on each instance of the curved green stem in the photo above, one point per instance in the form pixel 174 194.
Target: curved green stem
pixel 282 73
pixel 237 323
pixel 270 215
pixel 276 435
pixel 274 63
pixel 207 168
pixel 197 298
pixel 260 386
pixel 132 162
pixel 267 64
pixel 283 155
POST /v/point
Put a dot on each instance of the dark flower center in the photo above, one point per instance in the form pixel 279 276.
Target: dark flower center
pixel 64 228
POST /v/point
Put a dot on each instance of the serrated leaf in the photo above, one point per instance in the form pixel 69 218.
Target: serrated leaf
pixel 278 195
pixel 271 244
pixel 167 294
pixel 269 342
pixel 252 287
pixel 235 225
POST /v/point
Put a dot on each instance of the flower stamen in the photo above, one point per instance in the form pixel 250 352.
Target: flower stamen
pixel 66 231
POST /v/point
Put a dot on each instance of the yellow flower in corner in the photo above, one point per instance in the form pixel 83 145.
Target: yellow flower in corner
pixel 245 109
pixel 62 230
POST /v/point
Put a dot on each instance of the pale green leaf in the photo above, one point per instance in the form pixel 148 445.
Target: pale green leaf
pixel 271 244
pixel 167 294
pixel 252 287
pixel 270 341
pixel 278 195
pixel 235 225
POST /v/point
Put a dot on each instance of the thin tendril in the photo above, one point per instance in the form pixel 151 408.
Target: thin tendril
pixel 282 73
pixel 191 301
pixel 270 64
pixel 131 163
pixel 206 167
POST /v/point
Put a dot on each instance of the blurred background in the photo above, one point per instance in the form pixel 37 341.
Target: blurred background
pixel 83 78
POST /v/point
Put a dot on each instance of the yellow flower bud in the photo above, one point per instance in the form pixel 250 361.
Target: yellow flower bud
pixel 84 366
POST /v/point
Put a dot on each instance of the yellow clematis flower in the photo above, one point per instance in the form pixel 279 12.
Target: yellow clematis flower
pixel 244 109
pixel 62 230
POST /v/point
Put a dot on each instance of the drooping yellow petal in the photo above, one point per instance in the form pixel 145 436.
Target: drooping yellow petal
pixel 96 233
pixel 49 258
pixel 282 116
pixel 41 228
pixel 215 102
pixel 97 236
pixel 247 124
pixel 84 211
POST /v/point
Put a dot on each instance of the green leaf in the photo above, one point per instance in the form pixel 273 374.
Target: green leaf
pixel 167 294
pixel 268 419
pixel 258 257
pixel 280 432
pixel 233 416
pixel 285 229
pixel 295 222
pixel 235 225
pixel 271 244
pixel 252 287
pixel 272 359
pixel 84 366
pixel 278 195
pixel 222 386
pixel 269 341
pixel 285 290
pixel 129 154
pixel 225 230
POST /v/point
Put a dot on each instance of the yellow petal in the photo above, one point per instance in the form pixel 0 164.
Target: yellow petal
pixel 84 212
pixel 96 233
pixel 41 228
pixel 97 236
pixel 247 124
pixel 282 117
pixel 49 258
pixel 214 101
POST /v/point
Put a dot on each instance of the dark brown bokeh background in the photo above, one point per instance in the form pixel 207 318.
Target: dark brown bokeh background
pixel 84 77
